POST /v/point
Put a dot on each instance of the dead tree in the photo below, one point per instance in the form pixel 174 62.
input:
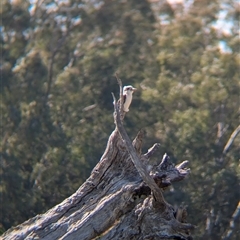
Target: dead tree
pixel 122 198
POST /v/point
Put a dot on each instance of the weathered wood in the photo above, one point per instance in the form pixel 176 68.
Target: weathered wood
pixel 141 168
pixel 122 198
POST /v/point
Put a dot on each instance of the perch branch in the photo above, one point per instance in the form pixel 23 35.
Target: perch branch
pixel 138 164
pixel 121 96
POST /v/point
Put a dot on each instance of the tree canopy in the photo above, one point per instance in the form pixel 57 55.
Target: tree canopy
pixel 57 74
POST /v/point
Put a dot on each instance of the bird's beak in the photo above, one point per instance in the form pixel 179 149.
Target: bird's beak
pixel 134 89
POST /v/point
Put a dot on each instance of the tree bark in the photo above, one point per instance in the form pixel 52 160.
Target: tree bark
pixel 122 198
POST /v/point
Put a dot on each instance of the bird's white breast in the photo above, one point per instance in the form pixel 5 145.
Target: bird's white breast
pixel 127 102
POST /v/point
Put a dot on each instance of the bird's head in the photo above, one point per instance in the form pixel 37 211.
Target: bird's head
pixel 128 89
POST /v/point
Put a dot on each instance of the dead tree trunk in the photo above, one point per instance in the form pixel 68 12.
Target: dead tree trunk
pixel 122 198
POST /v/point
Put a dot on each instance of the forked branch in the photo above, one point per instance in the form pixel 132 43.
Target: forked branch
pixel 136 161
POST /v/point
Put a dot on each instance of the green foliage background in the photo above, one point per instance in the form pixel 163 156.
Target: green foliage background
pixel 58 61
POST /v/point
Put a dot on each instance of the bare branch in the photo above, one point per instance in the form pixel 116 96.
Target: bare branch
pixel 182 165
pixel 121 95
pixel 165 163
pixel 138 164
pixel 137 142
pixel 231 139
pixel 152 150
pixel 166 172
pixel 209 222
pixel 235 215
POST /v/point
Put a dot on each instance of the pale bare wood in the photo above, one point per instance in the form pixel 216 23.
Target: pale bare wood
pixel 231 139
pixel 122 198
pixel 232 224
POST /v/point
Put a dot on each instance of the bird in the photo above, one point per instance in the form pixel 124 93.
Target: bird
pixel 127 96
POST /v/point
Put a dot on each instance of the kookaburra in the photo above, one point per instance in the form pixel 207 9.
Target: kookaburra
pixel 127 97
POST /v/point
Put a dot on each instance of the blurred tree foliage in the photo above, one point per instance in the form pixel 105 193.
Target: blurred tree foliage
pixel 57 74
